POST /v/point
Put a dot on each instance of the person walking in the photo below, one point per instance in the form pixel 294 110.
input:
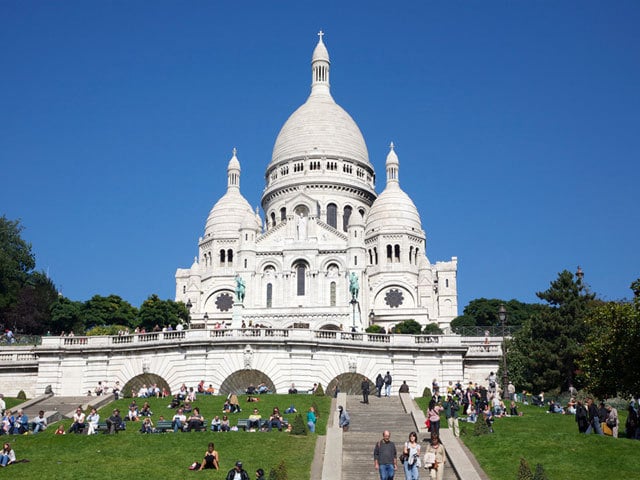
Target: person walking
pixel 434 458
pixel 412 458
pixel 387 384
pixel 385 457
pixel 379 385
pixel 451 408
pixel 365 390
pixel 594 419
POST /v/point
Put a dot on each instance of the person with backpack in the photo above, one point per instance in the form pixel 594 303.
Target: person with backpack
pixel 344 419
pixel 387 385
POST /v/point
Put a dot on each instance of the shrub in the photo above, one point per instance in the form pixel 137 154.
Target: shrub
pixel 539 473
pixel 298 426
pixel 280 472
pixel 427 392
pixel 408 327
pixel 432 329
pixel 21 395
pixel 524 471
pixel 481 427
pixel 373 329
pixel 319 391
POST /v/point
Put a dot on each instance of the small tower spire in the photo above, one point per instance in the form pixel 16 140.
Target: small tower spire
pixel 233 172
pixel 392 166
pixel 320 68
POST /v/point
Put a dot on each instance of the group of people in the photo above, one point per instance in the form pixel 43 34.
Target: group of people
pixel 211 460
pixel 385 457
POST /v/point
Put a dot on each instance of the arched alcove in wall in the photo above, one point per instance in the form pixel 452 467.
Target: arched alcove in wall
pixel 144 379
pixel 238 382
pixel 349 383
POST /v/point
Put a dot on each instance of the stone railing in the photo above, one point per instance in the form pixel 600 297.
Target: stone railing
pixel 18 357
pixel 273 335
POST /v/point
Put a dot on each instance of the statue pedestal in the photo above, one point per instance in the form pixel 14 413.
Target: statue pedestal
pixel 236 317
pixel 356 323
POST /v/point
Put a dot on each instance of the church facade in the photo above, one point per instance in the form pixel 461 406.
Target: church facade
pixel 328 252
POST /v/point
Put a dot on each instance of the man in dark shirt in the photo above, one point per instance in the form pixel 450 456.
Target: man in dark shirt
pixel 385 457
pixel 114 422
pixel 365 390
pixel 594 420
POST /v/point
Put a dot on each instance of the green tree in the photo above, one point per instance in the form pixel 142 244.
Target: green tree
pixel 543 354
pixel 111 310
pixel 408 327
pixel 483 312
pixel 66 316
pixel 16 262
pixel 611 354
pixel 155 311
pixel 432 329
pixel 375 328
pixel 31 313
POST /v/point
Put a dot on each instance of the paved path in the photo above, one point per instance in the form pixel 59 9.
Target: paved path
pixel 349 455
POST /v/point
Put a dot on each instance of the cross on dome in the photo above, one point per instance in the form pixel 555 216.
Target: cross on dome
pixel 235 150
pixel 320 34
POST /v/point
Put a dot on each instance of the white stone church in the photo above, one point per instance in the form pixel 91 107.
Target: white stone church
pixel 330 252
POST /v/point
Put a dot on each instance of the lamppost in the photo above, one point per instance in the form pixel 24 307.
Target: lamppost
pixel 502 316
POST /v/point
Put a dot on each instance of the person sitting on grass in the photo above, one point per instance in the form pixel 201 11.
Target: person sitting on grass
pixel 275 420
pixel 237 472
pixel 132 414
pixel 215 424
pixel 555 407
pixel 60 430
pixel 235 404
pixel 7 455
pixel 251 399
pixel 195 421
pixel 255 420
pixel 40 422
pixel 513 409
pixel 178 420
pixel 145 411
pixel 147 425
pixel 22 423
pixel 211 458
pixel 224 424
pixel 78 421
pixel 114 422
pixel 92 421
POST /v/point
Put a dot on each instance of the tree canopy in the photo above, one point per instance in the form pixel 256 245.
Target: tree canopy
pixel 16 263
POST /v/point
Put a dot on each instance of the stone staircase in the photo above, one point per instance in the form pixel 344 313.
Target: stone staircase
pixel 367 424
pixel 57 408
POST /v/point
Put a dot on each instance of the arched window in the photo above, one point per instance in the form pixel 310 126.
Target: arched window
pixel 410 255
pixel 184 289
pixel 223 256
pixel 332 294
pixel 389 253
pixel 415 257
pixel 273 219
pixel 301 270
pixel 397 253
pixel 332 215
pixel 229 257
pixel 283 214
pixel 375 255
pixel 269 295
pixel 245 263
pixel 345 217
pixel 370 257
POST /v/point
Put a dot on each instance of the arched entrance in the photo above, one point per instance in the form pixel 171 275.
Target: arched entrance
pixel 147 379
pixel 238 382
pixel 349 383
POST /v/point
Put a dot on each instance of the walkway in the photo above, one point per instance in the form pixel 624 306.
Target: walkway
pixel 349 455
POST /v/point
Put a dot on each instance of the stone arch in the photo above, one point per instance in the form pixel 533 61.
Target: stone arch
pixel 330 326
pixel 144 379
pixel 238 381
pixel 349 383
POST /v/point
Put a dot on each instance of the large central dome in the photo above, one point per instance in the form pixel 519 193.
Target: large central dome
pixel 320 127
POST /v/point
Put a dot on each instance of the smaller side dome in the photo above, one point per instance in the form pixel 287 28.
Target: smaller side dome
pixel 226 216
pixel 393 210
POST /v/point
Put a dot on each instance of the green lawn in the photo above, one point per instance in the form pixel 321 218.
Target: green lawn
pixel 132 455
pixel 553 441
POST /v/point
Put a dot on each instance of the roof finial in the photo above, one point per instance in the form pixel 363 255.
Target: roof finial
pixel 320 34
pixel 235 150
pixel 391 146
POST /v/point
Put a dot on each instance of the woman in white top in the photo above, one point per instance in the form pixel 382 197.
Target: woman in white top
pixel 92 420
pixel 412 453
pixel 7 455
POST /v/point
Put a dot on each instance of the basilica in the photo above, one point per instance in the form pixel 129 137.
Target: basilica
pixel 327 251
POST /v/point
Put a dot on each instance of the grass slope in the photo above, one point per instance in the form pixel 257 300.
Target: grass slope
pixel 130 454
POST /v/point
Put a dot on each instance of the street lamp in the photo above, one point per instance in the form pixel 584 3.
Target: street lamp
pixel 502 316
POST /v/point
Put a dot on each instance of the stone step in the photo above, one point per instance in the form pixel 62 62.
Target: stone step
pixel 368 421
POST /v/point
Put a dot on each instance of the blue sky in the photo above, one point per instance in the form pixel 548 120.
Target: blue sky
pixel 516 125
